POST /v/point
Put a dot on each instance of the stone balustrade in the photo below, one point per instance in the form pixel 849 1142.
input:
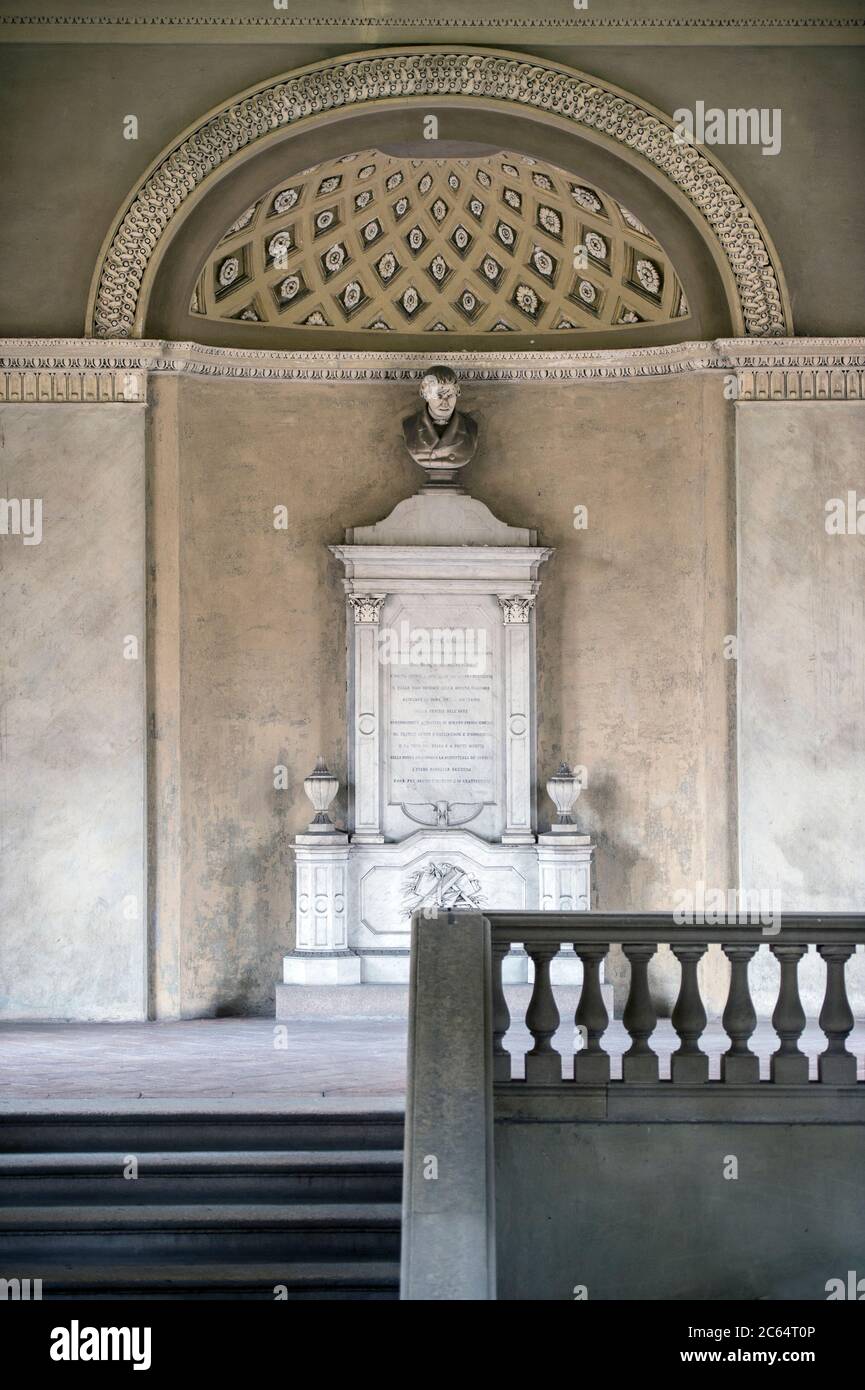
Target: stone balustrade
pixel 834 935
pixel 463 1098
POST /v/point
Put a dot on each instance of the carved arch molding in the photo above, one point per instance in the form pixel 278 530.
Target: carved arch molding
pixel 180 175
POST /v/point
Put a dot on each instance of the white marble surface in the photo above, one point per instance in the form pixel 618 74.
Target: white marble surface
pixel 72 772
pixel 442 726
pixel 381 879
pixel 446 518
pixel 446 576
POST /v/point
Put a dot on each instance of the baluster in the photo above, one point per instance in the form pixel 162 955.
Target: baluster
pixel 639 1063
pixel 501 1016
pixel 688 1065
pixel 789 1063
pixel 543 1062
pixel 836 1066
pixel 739 1065
pixel 591 1062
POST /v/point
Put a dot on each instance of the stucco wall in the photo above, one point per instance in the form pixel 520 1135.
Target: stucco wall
pixel 801 734
pixel 72 890
pixel 632 616
pixel 801 654
pixel 245 662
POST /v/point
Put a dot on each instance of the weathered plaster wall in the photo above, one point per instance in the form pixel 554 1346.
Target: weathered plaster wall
pixel 72 892
pixel 253 674
pixel 245 666
pixel 801 703
pixel 801 654
pixel 632 617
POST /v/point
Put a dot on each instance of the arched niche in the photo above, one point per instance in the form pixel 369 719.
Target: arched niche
pixel 482 100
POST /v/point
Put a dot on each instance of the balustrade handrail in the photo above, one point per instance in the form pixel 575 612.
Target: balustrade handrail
pixel 661 928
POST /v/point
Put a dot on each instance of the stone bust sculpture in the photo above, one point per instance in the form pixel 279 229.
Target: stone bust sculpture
pixel 439 437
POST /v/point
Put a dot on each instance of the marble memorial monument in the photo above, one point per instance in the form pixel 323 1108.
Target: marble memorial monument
pixel 441 602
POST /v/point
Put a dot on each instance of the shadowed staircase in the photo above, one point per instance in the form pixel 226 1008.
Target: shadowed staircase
pixel 251 1204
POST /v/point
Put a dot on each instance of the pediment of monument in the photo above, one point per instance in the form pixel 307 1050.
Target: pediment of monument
pixel 443 518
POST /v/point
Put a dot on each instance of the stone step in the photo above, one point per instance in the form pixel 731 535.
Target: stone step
pixel 254 1176
pixel 179 1215
pixel 200 1230
pixel 135 1126
pixel 230 1199
pixel 359 1279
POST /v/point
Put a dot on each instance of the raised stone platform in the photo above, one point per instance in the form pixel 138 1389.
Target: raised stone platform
pixel 371 1001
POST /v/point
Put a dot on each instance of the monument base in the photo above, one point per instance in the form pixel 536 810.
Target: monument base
pixel 391 967
pixel 380 967
pixel 295 1004
pixel 321 968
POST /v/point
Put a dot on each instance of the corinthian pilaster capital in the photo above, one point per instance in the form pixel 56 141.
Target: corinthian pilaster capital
pixel 517 607
pixel 367 607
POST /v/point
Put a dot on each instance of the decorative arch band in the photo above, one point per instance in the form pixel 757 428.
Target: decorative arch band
pixel 128 259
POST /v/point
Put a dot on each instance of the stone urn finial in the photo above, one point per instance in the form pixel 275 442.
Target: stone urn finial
pixel 321 787
pixel 563 790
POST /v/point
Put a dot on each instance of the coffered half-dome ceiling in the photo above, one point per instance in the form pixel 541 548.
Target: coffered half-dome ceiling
pixel 494 245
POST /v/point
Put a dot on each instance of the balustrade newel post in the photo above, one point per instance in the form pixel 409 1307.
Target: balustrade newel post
pixel 789 1064
pixel 836 1066
pixel 639 1063
pixel 543 1062
pixel 448 1245
pixel 739 1065
pixel 688 1064
pixel 591 1063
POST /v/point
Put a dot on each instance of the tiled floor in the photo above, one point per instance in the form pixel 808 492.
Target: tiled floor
pixel 215 1059
pixel 249 1059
